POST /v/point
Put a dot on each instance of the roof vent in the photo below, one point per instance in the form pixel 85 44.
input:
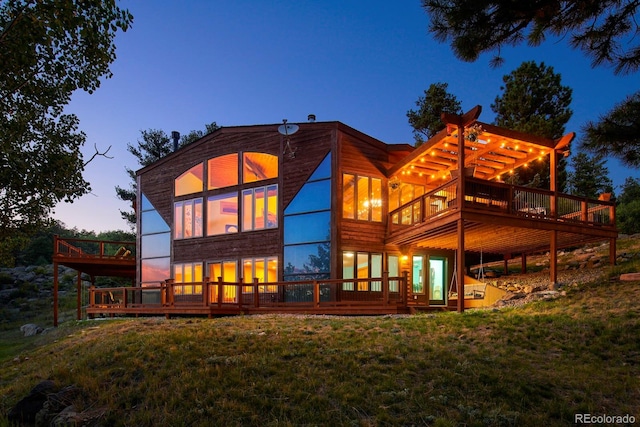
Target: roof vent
pixel 176 137
pixel 311 118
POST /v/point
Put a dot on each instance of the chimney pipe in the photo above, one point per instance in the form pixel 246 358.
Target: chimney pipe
pixel 176 137
pixel 311 118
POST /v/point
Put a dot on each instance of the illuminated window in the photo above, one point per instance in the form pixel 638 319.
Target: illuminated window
pixel 222 214
pixel 260 208
pixel 225 271
pixel 187 278
pixel 362 265
pixel 362 198
pixel 187 219
pixel 263 269
pixel 404 193
pixel 155 249
pixel 223 171
pixel 190 181
pixel 258 167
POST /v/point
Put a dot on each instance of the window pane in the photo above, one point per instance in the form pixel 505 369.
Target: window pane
pixel 197 218
pixel 323 170
pixel 197 272
pixel 348 196
pixel 177 273
pixel 247 210
pixel 222 214
pixel 215 271
pixel 229 271
pixel 259 166
pixel 177 221
pixel 152 222
pixel 313 196
pixel 155 245
pixel 247 271
pixel 272 269
pixel 348 268
pixel 188 219
pixel 362 269
pixel 376 199
pixel 406 193
pixel 188 273
pixel 146 204
pixel 272 206
pixel 154 270
pixel 312 258
pixel 223 171
pixel 314 227
pixel 376 271
pixel 259 270
pixel 363 197
pixel 259 206
pixel 190 181
pixel 394 266
pixel 394 198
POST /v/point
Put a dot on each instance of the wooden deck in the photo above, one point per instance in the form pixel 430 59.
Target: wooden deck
pixel 500 219
pixel 386 295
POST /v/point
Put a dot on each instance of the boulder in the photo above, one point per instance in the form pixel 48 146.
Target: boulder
pixel 30 329
pixel 26 409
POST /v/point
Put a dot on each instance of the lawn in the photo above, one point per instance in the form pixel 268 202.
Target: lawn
pixel 529 366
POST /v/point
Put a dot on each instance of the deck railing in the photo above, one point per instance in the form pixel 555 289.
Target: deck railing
pixel 383 291
pixel 508 199
pixel 87 248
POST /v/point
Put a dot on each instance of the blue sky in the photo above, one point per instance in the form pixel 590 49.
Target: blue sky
pixel 187 63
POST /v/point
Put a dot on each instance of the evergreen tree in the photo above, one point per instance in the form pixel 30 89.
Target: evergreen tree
pixel 617 134
pixel 534 101
pixel 606 30
pixel 628 209
pixel 590 176
pixel 426 120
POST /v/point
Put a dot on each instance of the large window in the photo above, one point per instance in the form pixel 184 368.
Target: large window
pixel 307 228
pixel 187 219
pixel 260 208
pixel 155 246
pixel 361 197
pixel 403 193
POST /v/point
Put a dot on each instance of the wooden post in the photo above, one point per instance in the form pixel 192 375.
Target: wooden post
pixel 523 263
pixel 553 260
pixel 256 293
pixel 205 291
pixel 612 251
pixel 385 288
pixel 461 265
pixel 170 292
pixel 79 296
pixel 239 293
pixel 316 294
pixel 404 286
pixel 55 293
pixel 220 290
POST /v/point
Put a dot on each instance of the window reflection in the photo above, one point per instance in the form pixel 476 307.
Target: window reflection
pixel 152 222
pixel 190 181
pixel 310 261
pixel 222 214
pixel 312 227
pixel 155 245
pixel 258 166
pixel 223 171
pixel 155 270
pixel 313 196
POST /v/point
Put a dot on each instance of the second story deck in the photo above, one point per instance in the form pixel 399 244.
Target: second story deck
pixel 502 218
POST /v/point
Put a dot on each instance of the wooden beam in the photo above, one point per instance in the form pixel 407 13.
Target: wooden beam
pixel 461 265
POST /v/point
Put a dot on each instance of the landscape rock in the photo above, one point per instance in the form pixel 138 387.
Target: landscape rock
pixel 30 329
pixel 26 409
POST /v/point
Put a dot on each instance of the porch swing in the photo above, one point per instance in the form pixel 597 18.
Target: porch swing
pixel 472 289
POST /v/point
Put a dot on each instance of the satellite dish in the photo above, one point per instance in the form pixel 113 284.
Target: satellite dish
pixel 286 129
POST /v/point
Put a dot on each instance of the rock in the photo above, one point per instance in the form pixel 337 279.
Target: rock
pixel 30 329
pixel 26 409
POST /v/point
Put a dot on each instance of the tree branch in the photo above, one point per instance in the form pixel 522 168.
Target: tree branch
pixel 96 154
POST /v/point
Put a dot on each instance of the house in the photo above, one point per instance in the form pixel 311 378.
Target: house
pixel 330 220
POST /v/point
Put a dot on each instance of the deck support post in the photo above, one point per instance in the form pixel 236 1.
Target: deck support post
pixel 461 265
pixel 55 290
pixel 256 293
pixel 553 260
pixel 79 296
pixel 385 288
pixel 612 251
pixel 523 265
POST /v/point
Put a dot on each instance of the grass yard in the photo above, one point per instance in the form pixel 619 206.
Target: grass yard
pixel 536 365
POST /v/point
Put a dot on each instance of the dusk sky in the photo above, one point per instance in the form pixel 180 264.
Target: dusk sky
pixel 184 64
